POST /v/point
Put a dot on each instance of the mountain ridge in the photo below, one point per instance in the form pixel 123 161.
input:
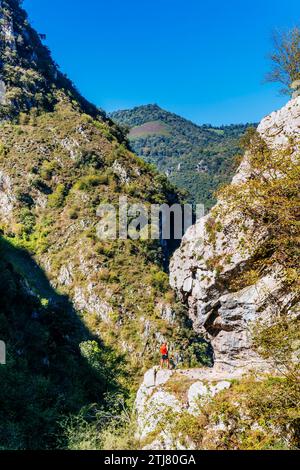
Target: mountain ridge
pixel 152 106
pixel 29 77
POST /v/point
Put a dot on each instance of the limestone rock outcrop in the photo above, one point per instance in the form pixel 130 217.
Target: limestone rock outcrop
pixel 223 316
pixel 165 395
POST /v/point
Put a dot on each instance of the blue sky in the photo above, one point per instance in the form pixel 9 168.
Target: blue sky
pixel 203 60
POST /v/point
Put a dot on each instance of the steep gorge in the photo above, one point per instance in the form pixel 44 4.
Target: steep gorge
pixel 237 269
pixel 76 310
pixel 228 242
pixel 60 158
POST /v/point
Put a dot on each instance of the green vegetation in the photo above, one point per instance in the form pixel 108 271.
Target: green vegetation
pixel 53 224
pixel 254 414
pixel 82 318
pixel 197 159
pixel 56 199
pixel 47 376
pixel 269 198
pixel 285 60
pixel 54 218
pixel 112 427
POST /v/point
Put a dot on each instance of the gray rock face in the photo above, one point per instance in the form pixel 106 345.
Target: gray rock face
pixel 121 172
pixel 7 199
pixel 7 31
pixel 90 302
pixel 2 92
pixel 158 404
pixel 226 318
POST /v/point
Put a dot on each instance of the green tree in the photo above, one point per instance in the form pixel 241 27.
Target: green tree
pixel 286 60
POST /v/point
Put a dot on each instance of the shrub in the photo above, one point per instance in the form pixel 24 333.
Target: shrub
pixel 47 170
pixel 74 213
pixel 91 181
pixel 112 427
pixel 27 219
pixel 160 281
pixel 57 198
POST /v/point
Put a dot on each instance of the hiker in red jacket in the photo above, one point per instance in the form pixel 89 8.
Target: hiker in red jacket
pixel 164 356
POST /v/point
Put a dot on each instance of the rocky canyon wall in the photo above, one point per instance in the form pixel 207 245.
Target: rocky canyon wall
pixel 222 315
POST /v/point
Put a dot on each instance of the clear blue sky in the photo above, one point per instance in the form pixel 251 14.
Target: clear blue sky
pixel 204 60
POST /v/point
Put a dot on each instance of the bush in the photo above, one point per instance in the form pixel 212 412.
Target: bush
pixel 160 281
pixel 91 181
pixel 74 213
pixel 47 170
pixel 56 199
pixel 28 220
pixel 112 427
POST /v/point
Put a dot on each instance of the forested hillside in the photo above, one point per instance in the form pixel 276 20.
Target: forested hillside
pixel 81 317
pixel 197 159
pixel 84 317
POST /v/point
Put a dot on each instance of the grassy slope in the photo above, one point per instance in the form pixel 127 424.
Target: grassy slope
pixel 61 167
pixel 150 128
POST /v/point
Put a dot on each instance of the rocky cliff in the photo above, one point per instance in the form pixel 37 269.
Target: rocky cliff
pixel 167 396
pixel 213 255
pixel 237 269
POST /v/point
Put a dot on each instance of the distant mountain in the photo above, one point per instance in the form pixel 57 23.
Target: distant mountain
pixel 196 158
